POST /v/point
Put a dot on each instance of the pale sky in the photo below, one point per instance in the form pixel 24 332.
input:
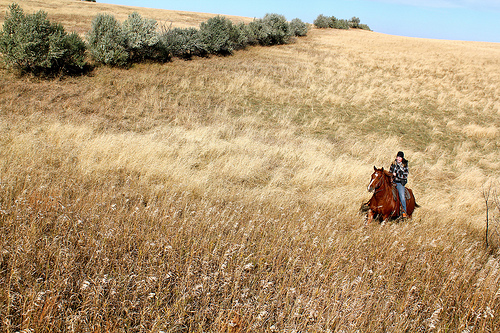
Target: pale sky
pixel 470 20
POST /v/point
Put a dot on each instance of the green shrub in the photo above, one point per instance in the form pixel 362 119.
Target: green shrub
pixel 298 28
pixel 279 29
pixel 183 43
pixel 220 36
pixel 243 40
pixel 142 39
pixel 364 27
pixel 322 22
pixel 32 44
pixel 273 29
pixel 354 22
pixel 74 57
pixel 342 24
pixel 332 22
pixel 256 32
pixel 107 42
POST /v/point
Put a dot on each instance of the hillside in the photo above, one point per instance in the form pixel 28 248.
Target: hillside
pixel 222 194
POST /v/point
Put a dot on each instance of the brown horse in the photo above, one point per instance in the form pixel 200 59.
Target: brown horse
pixel 385 203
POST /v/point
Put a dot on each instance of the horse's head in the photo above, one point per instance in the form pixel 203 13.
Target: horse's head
pixel 378 177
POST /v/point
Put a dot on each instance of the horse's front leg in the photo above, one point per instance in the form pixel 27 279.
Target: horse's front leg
pixel 369 216
pixel 385 218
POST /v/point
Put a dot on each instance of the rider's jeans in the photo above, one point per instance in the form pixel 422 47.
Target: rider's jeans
pixel 401 191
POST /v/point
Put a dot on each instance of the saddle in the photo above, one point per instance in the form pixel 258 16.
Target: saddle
pixel 395 193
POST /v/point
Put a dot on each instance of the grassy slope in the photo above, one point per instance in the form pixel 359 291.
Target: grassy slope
pixel 223 193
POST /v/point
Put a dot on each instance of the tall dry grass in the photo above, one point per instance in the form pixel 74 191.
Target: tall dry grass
pixel 222 194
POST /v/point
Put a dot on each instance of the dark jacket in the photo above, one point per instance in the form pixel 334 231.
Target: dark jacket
pixel 401 170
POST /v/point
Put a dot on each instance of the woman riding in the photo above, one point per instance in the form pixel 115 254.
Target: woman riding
pixel 399 169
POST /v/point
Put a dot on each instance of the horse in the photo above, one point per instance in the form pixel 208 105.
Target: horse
pixel 385 202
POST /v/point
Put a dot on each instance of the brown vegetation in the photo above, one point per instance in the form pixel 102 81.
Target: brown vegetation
pixel 222 194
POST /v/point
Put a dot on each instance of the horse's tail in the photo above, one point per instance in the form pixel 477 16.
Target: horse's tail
pixel 414 200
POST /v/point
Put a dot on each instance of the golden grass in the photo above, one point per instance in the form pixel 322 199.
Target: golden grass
pixel 222 194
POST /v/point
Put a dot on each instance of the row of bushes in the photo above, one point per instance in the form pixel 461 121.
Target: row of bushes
pixel 138 39
pixel 324 22
pixel 32 44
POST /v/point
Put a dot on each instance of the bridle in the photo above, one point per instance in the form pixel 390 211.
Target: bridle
pixel 378 184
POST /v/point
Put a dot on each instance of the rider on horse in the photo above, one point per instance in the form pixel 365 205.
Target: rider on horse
pixel 399 169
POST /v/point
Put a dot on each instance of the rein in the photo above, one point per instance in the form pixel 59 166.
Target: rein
pixel 378 187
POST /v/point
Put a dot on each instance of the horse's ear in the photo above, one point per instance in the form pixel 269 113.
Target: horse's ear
pixel 382 169
pixel 374 168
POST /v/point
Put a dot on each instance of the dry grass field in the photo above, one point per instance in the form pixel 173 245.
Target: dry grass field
pixel 223 194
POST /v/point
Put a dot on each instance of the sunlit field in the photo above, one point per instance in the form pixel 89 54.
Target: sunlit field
pixel 222 194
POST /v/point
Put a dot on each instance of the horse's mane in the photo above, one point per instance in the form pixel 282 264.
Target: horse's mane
pixel 387 174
